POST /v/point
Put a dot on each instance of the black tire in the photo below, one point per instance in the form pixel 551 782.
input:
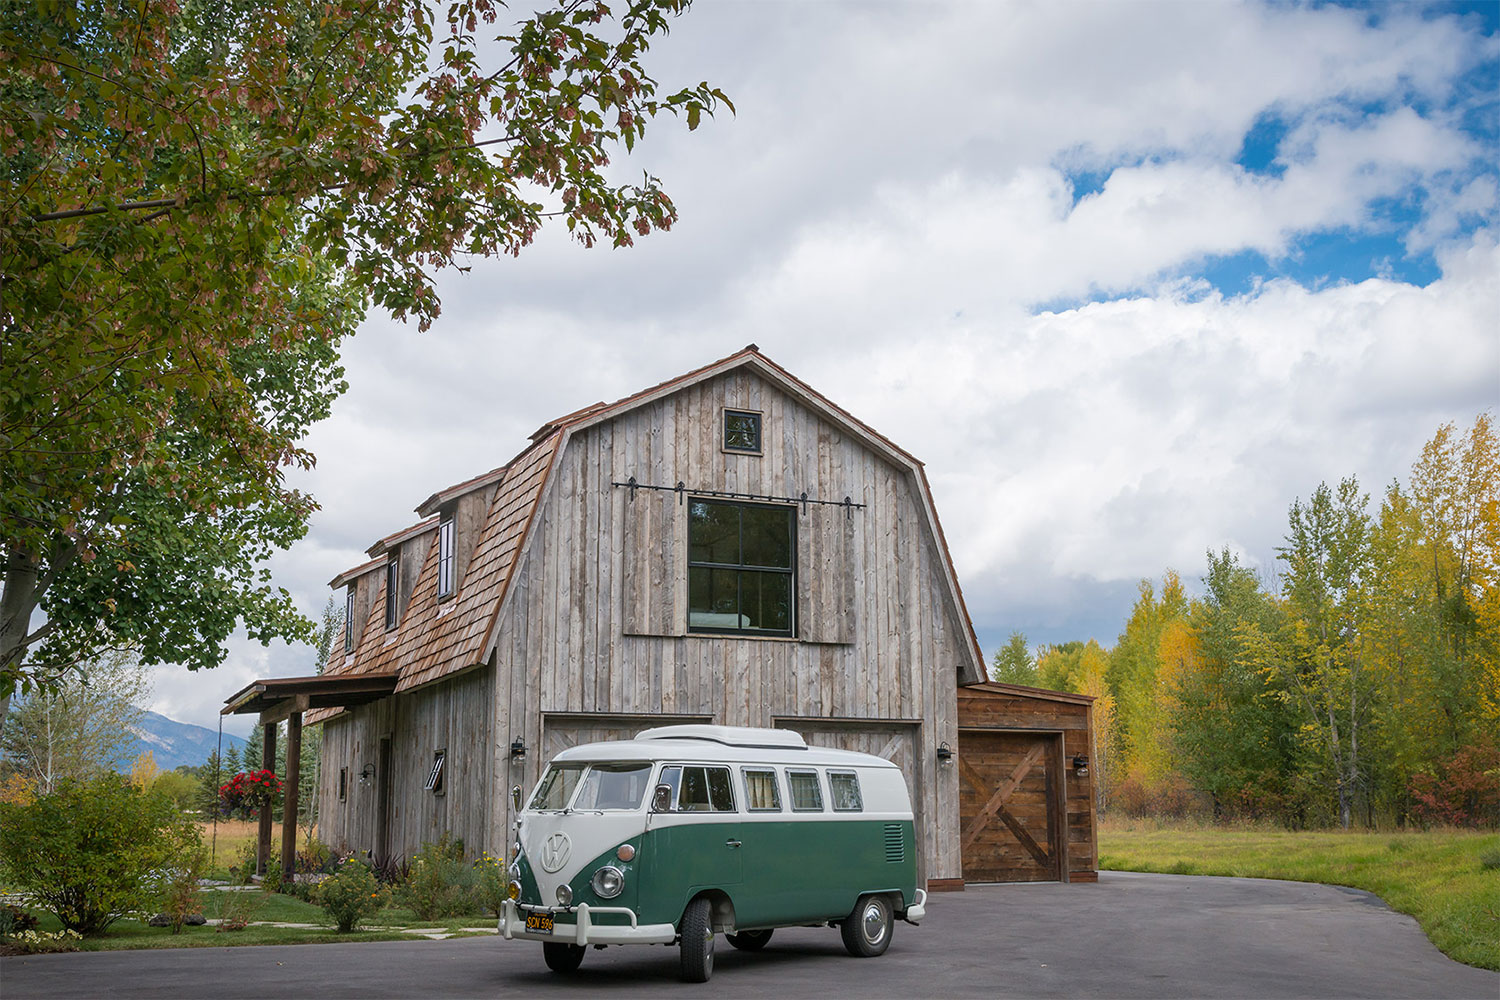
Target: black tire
pixel 562 957
pixel 749 940
pixel 867 931
pixel 697 942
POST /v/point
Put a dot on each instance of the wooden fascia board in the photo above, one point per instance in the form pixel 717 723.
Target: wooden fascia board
pixel 349 575
pixel 406 534
pixel 441 497
pixel 523 551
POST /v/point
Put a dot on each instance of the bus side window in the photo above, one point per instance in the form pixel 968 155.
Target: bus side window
pixel 807 795
pixel 705 789
pixel 720 789
pixel 843 788
pixel 761 793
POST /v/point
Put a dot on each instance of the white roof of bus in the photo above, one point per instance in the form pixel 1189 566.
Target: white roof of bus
pixel 732 744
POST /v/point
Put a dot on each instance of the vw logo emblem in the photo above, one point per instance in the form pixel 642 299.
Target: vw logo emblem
pixel 555 852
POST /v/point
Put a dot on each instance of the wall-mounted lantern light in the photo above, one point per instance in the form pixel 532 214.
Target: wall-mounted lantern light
pixel 1081 765
pixel 517 747
pixel 366 774
pixel 944 753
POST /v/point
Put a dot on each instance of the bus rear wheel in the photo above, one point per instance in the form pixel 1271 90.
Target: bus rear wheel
pixel 697 934
pixel 749 940
pixel 867 931
pixel 562 957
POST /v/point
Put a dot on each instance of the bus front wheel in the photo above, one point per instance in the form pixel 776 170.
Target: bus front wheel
pixel 697 934
pixel 562 957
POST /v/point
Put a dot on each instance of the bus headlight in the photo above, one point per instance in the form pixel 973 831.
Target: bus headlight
pixel 564 894
pixel 608 882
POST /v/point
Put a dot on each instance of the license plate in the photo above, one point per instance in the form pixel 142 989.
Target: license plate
pixel 538 923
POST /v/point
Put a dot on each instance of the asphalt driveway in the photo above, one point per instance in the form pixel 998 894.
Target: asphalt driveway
pixel 1131 935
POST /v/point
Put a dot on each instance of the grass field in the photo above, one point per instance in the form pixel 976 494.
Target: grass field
pixel 1440 878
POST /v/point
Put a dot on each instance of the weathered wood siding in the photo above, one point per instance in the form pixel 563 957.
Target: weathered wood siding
pixel 881 639
pixel 986 710
pixel 455 715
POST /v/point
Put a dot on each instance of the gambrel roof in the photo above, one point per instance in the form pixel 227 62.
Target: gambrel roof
pixel 437 640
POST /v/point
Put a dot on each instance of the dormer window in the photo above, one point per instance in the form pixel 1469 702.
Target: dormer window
pixel 742 431
pixel 392 580
pixel 349 618
pixel 445 558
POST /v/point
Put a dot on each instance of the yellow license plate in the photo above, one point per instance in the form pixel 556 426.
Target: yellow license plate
pixel 538 923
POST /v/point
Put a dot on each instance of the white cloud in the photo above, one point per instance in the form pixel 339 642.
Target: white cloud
pixel 882 216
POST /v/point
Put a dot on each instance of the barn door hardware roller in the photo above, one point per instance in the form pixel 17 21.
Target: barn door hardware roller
pixel 681 489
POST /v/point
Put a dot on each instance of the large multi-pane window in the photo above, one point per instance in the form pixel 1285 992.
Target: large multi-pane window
pixel 741 567
pixel 445 557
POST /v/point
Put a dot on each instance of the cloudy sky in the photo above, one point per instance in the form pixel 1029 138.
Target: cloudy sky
pixel 1129 277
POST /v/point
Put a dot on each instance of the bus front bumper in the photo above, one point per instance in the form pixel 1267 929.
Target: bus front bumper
pixel 584 931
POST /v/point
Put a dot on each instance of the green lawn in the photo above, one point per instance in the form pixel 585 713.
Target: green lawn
pixel 262 908
pixel 1439 878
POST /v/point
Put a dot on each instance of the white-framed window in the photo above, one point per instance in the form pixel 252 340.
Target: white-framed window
pixel 445 580
pixel 761 791
pixel 349 618
pixel 392 583
pixel 843 791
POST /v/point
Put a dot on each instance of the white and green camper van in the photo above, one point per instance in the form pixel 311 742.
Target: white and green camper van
pixel 689 831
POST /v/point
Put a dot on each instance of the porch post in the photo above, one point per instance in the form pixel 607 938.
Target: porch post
pixel 289 799
pixel 267 761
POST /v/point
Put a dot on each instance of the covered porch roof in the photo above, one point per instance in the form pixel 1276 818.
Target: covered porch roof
pixel 278 698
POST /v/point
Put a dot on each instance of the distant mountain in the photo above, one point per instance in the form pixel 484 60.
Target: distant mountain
pixel 175 743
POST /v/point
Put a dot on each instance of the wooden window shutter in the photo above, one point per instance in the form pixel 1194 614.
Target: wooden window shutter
pixel 825 575
pixel 654 563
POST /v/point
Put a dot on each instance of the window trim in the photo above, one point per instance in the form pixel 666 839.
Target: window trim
pixel 682 769
pixel 817 783
pixel 349 618
pixel 435 783
pixel 775 807
pixel 742 567
pixel 833 799
pixel 392 584
pixel 760 431
pixel 446 577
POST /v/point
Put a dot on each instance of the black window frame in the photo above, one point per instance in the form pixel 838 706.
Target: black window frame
pixel 760 431
pixel 392 585
pixel 790 510
pixel 343 784
pixel 446 578
pixel 435 775
pixel 349 618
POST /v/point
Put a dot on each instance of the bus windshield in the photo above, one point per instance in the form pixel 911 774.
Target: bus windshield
pixel 557 787
pixel 614 786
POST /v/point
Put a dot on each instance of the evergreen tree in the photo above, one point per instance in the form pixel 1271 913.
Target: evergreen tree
pixel 1013 663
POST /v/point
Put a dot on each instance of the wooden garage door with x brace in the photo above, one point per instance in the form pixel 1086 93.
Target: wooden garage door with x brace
pixel 1010 794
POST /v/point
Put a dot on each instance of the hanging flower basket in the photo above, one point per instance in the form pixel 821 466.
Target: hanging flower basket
pixel 246 792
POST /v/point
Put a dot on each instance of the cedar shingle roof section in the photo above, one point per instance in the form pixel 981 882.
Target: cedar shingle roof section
pixel 395 538
pixel 434 642
pixel 441 497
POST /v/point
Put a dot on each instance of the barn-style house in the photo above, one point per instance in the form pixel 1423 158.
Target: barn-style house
pixel 728 546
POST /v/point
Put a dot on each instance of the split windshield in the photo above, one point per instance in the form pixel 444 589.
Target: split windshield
pixel 598 786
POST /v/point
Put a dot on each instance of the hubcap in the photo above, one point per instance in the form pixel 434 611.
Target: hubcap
pixel 874 923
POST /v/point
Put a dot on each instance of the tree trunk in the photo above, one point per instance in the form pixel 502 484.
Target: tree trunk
pixel 17 604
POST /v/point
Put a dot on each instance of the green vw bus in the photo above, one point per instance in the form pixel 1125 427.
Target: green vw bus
pixel 686 832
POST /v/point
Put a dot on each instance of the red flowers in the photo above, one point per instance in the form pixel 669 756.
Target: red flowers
pixel 247 791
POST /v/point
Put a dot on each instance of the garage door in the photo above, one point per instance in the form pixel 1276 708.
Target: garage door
pixel 1009 817
pixel 560 731
pixel 896 741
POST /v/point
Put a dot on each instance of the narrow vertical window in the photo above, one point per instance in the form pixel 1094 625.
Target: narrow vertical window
pixel 343 783
pixel 349 618
pixel 742 431
pixel 435 776
pixel 445 558
pixel 392 580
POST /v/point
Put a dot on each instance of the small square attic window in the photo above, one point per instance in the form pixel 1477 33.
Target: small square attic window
pixel 742 431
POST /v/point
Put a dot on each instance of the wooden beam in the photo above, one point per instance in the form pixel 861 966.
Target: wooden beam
pixel 263 840
pixel 1026 839
pixel 1001 796
pixel 285 709
pixel 290 795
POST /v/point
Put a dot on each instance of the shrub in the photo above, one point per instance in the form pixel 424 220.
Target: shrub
pixel 1465 791
pixel 271 881
pixel 314 858
pixel 491 883
pixel 15 920
pixel 440 883
pixel 180 896
pixel 351 894
pixel 83 852
pixel 238 909
pixel 36 942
